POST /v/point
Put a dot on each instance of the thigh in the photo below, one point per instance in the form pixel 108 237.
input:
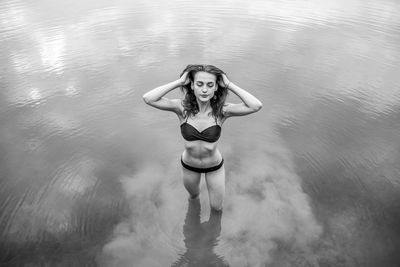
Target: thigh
pixel 191 180
pixel 216 187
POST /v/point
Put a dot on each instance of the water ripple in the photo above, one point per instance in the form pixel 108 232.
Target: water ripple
pixel 73 123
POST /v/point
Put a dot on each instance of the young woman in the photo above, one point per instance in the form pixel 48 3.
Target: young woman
pixel 201 113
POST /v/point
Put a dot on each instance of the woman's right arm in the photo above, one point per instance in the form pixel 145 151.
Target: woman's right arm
pixel 155 97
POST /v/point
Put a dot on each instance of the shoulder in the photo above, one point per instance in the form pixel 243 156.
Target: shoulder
pixel 224 113
pixel 225 109
pixel 179 107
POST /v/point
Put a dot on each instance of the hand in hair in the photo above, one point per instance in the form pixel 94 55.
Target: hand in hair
pixel 224 82
pixel 185 78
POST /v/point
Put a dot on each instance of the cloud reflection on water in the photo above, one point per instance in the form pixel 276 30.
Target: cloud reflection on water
pixel 303 52
pixel 265 207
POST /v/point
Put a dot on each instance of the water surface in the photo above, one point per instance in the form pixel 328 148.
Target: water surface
pixel 90 175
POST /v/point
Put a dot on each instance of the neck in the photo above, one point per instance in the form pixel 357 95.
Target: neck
pixel 203 106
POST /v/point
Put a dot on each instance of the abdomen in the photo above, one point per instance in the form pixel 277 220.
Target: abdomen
pixel 201 153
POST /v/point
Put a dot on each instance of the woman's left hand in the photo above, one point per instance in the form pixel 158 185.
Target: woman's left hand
pixel 224 82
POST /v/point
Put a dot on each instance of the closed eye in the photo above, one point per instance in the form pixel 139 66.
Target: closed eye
pixel 208 84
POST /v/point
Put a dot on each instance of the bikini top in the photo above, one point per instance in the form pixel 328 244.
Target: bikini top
pixel 210 134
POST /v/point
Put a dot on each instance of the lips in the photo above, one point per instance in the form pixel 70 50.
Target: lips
pixel 204 95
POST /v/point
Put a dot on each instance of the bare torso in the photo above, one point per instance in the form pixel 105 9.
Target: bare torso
pixel 198 153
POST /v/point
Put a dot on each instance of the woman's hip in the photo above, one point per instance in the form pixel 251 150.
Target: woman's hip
pixel 203 165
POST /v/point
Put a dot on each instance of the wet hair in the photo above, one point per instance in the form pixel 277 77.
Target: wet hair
pixel 189 102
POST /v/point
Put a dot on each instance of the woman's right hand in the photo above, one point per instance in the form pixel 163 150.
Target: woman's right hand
pixel 185 78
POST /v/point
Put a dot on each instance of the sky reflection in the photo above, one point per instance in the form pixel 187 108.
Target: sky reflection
pixel 89 172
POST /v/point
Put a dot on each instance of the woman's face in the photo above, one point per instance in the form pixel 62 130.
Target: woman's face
pixel 204 85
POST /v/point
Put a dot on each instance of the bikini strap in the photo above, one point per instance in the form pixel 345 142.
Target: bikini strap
pixel 187 116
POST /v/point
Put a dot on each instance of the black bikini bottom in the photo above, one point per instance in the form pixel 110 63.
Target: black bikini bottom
pixel 202 170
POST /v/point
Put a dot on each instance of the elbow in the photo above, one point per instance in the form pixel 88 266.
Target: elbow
pixel 257 107
pixel 146 99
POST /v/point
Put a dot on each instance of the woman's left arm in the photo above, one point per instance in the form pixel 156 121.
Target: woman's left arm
pixel 250 103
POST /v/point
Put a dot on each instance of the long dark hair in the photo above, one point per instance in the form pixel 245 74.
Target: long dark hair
pixel 189 103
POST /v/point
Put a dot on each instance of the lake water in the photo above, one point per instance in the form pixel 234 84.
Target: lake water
pixel 90 175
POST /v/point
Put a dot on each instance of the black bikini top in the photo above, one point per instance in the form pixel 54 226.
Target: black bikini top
pixel 210 134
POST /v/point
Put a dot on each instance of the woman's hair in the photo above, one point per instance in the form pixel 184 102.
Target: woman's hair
pixel 189 102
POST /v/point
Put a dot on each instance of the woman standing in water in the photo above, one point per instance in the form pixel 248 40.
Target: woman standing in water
pixel 201 113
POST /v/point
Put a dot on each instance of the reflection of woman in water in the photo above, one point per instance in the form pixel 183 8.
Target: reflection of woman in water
pixel 201 113
pixel 200 238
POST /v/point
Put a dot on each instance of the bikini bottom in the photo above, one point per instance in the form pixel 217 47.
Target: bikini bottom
pixel 202 170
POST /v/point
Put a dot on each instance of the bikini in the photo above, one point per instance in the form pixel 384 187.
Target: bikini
pixel 210 134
